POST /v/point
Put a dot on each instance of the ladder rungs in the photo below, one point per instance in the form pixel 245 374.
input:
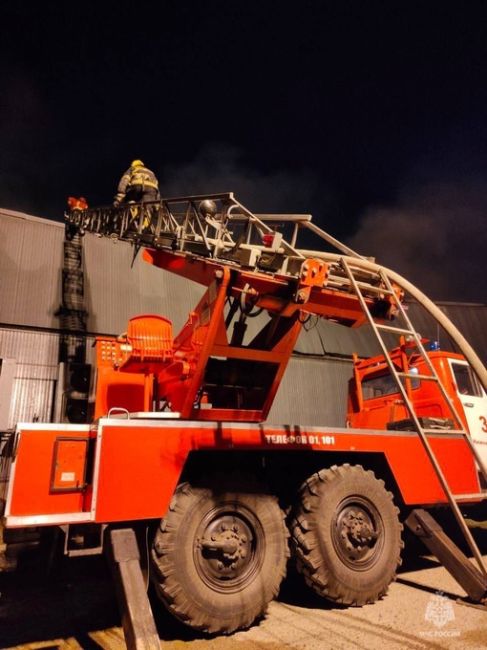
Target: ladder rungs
pixel 391 328
pixel 374 289
pixel 449 431
pixel 414 376
pixel 473 495
pixel 363 286
pixel 409 330
pixel 339 282
pixel 358 273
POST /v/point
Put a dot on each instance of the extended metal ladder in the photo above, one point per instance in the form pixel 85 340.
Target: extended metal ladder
pixel 219 227
pixel 409 331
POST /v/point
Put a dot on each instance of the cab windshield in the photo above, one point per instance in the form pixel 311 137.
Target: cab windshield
pixel 384 384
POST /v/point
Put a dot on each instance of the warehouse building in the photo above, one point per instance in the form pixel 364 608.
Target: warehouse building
pixel 115 288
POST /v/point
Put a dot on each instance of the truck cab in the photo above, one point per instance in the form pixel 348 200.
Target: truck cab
pixel 374 401
pixel 473 403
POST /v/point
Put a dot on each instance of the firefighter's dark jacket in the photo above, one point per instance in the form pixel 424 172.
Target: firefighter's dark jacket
pixel 137 179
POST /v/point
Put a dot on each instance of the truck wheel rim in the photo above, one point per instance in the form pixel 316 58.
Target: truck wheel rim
pixel 229 549
pixel 358 533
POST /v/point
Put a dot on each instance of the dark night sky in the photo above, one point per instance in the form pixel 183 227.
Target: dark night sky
pixel 370 115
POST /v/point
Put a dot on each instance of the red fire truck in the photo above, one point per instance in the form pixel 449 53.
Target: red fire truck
pixel 374 401
pixel 179 442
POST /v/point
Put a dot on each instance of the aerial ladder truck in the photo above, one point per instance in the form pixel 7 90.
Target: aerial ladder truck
pixel 179 441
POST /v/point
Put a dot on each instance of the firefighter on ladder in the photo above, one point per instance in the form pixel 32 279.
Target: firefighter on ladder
pixel 138 184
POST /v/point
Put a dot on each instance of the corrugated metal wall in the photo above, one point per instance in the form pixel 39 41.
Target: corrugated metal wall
pixel 313 390
pixel 30 262
pixel 36 355
pixel 115 291
pixel 471 320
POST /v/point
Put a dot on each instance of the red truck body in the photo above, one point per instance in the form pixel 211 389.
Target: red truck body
pixel 50 482
pixel 374 401
pixel 179 432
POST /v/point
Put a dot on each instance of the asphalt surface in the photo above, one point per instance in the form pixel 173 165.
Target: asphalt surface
pixel 75 607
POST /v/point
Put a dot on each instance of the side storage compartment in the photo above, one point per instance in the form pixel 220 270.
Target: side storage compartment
pixel 49 475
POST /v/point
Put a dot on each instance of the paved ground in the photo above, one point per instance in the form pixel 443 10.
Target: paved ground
pixel 76 609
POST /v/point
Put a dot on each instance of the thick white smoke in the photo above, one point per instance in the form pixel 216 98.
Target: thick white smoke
pixel 435 236
pixel 220 168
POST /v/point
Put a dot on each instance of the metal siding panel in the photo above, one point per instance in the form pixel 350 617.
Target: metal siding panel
pixel 11 236
pixel 310 341
pixel 115 292
pixel 32 400
pixel 320 337
pixel 110 295
pixel 30 266
pixel 423 322
pixel 36 372
pixel 29 347
pixel 344 341
pixel 32 250
pixel 168 294
pixel 471 321
pixel 313 392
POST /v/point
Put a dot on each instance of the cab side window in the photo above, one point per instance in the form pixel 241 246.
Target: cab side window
pixel 466 381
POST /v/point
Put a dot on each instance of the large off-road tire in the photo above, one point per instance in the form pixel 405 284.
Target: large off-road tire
pixel 346 535
pixel 220 554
